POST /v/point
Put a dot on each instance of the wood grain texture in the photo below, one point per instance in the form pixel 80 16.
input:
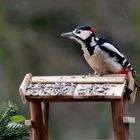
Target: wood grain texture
pixel 119 110
pixel 45 114
pixel 37 121
pixel 112 78
pixel 23 87
pixel 73 99
pixel 131 85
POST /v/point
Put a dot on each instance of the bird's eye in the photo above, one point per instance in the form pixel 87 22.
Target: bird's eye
pixel 78 31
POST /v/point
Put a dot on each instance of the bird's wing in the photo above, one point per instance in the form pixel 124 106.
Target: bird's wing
pixel 113 52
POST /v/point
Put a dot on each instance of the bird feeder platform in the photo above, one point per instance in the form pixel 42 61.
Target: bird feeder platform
pixel 39 91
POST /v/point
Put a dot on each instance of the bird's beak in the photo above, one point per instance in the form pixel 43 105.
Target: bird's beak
pixel 69 34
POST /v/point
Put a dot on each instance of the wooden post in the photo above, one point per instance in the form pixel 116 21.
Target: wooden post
pixel 119 110
pixel 37 122
pixel 45 115
pixel 126 114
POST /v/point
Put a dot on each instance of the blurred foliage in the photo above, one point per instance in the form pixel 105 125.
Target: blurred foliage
pixel 30 42
pixel 11 127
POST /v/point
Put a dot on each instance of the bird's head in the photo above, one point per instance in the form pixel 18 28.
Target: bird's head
pixel 81 34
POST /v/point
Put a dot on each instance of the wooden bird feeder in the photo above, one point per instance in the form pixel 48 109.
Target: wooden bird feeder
pixel 39 91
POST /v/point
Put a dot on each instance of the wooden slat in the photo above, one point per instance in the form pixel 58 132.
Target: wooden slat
pixel 23 87
pixel 114 78
pixel 128 119
pixel 28 122
pixel 73 99
pixel 116 90
pixel 131 85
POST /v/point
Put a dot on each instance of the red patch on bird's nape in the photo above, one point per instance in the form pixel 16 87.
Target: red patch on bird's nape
pixel 92 30
pixel 125 71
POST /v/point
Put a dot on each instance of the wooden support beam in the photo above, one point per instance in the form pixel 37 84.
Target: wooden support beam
pixel 126 102
pixel 45 114
pixel 37 121
pixel 120 109
pixel 128 120
pixel 28 122
pixel 23 86
pixel 131 85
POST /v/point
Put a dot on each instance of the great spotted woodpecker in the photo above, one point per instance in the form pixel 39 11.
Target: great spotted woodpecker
pixel 100 54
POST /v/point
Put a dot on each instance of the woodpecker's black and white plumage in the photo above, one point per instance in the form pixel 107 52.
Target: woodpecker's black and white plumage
pixel 100 54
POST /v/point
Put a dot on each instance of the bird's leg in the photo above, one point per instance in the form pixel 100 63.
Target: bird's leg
pixel 90 74
pixel 94 73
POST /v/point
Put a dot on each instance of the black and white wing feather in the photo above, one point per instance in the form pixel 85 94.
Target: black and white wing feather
pixel 113 52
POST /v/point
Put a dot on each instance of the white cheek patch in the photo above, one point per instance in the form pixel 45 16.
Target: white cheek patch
pixel 83 35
